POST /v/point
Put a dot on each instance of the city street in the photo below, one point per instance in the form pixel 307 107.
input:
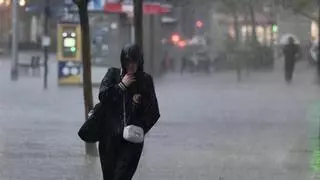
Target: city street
pixel 211 128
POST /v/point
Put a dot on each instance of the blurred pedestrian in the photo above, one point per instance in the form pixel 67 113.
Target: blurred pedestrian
pixel 314 51
pixel 290 51
pixel 131 104
pixel 184 63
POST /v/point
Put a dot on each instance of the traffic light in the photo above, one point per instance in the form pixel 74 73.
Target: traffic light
pixel 199 24
pixel 182 44
pixel 175 38
pixel 274 28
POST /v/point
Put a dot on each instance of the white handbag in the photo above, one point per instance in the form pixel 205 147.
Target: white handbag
pixel 131 133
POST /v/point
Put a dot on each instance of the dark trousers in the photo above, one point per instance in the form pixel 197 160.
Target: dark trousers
pixel 289 69
pixel 119 158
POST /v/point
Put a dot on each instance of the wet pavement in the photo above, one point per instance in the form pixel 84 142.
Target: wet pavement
pixel 212 127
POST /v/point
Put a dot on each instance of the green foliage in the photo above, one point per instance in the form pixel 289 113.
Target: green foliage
pixel 240 6
pixel 306 8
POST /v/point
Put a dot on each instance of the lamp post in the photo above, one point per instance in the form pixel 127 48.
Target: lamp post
pixel 14 35
pixel 46 44
pixel 14 40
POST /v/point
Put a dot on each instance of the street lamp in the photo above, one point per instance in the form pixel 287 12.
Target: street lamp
pixel 22 2
pixel 8 2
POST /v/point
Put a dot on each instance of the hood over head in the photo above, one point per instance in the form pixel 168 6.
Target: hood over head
pixel 133 53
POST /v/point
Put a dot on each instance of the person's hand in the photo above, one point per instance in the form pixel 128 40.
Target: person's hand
pixel 136 98
pixel 128 79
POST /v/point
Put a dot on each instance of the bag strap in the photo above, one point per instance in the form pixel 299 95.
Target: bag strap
pixel 124 110
pixel 124 105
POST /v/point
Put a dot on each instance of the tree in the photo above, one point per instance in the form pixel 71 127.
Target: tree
pixel 252 12
pixel 246 9
pixel 138 17
pixel 91 148
pixel 232 7
pixel 306 8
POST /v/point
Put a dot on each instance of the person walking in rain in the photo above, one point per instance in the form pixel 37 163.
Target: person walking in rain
pixel 290 52
pixel 130 96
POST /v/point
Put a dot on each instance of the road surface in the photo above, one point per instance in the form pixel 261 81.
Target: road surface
pixel 211 127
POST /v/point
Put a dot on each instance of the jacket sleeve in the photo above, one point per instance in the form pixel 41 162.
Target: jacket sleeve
pixel 110 89
pixel 150 114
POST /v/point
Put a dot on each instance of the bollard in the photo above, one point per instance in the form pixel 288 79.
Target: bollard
pixel 35 66
pixel 238 69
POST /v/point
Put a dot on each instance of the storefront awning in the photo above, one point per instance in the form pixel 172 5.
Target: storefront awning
pixel 148 8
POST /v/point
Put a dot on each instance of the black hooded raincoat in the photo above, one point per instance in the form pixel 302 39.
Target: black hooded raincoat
pixel 119 158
